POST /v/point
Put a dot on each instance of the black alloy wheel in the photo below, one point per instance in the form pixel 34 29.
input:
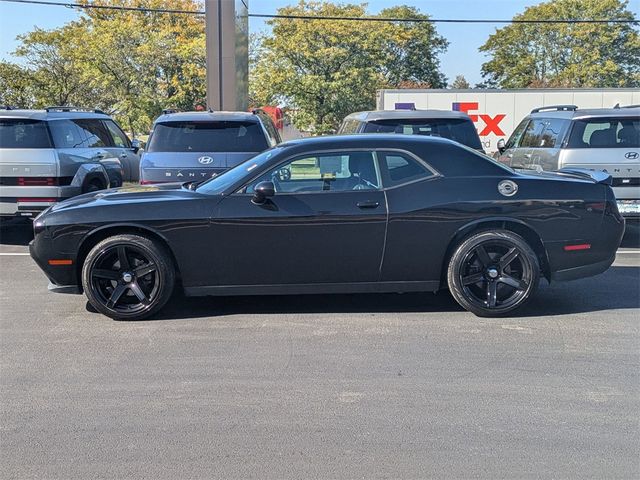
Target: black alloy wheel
pixel 128 277
pixel 493 273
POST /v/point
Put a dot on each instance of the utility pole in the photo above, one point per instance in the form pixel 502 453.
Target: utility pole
pixel 227 43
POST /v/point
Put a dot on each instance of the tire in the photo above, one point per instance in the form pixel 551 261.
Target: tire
pixel 132 291
pixel 493 273
pixel 93 186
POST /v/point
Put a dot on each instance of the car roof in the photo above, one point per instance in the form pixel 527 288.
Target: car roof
pixel 369 140
pixel 207 117
pixel 374 115
pixel 588 113
pixel 50 114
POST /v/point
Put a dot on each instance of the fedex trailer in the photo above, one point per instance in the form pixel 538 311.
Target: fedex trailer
pixel 496 113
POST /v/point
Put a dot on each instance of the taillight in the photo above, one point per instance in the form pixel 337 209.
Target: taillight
pixel 37 181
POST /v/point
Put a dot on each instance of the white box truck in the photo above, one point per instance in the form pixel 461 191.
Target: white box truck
pixel 497 112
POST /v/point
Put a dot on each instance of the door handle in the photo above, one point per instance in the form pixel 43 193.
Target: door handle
pixel 123 155
pixel 368 204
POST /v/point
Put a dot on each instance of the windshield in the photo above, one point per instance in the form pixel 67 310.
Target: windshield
pixel 207 137
pixel 23 133
pixel 458 130
pixel 221 183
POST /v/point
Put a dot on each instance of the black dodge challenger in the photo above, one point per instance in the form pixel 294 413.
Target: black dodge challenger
pixel 341 214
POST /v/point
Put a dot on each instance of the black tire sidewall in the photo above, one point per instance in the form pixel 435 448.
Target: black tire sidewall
pixel 469 244
pixel 156 252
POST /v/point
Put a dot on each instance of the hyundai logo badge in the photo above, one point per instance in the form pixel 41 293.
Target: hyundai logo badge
pixel 205 160
pixel 631 155
pixel 507 188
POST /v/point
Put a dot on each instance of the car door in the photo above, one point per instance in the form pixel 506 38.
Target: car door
pixel 514 154
pixel 121 148
pixel 325 225
pixel 544 148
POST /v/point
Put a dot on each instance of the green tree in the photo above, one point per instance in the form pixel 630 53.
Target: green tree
pixel 460 82
pixel 324 70
pixel 17 88
pixel 566 55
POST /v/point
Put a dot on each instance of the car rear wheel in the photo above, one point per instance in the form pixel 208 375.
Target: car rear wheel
pixel 128 277
pixel 493 273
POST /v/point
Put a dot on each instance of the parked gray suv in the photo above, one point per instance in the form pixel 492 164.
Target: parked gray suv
pixel 195 146
pixel 562 136
pixel 59 152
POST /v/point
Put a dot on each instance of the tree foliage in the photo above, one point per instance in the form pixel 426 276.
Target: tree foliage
pixel 460 82
pixel 130 64
pixel 566 55
pixel 324 70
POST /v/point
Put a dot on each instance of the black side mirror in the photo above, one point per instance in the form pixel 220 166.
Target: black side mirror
pixel 262 191
pixel 501 145
pixel 135 145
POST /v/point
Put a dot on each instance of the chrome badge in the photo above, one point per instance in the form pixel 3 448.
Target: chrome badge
pixel 508 188
pixel 205 160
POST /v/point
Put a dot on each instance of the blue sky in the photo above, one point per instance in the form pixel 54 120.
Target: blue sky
pixel 462 56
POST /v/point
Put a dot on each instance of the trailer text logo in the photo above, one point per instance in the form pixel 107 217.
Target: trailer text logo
pixel 491 124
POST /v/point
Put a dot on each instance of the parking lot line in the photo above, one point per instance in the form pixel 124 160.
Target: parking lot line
pixel 14 253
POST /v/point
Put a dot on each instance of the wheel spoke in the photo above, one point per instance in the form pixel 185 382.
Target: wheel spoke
pixel 513 282
pixel 108 274
pixel 492 294
pixel 145 270
pixel 122 257
pixel 115 296
pixel 508 257
pixel 473 278
pixel 137 291
pixel 483 256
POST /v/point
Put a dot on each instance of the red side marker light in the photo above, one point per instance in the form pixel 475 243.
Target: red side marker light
pixel 580 246
pixel 60 262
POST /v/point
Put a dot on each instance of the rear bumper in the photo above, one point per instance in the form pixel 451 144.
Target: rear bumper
pixel 582 271
pixel 16 200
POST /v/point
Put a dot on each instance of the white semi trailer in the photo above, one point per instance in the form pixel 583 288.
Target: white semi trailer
pixel 497 112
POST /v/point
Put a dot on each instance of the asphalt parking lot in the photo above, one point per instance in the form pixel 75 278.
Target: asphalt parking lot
pixel 340 386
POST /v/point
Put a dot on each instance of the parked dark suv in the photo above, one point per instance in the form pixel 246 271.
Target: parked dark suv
pixel 59 152
pixel 456 126
pixel 195 146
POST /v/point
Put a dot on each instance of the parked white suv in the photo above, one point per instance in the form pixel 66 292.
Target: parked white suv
pixel 59 152
pixel 562 136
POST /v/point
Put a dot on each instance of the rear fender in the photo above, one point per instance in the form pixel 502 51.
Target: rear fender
pixel 90 171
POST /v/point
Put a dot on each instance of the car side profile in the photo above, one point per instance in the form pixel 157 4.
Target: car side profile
pixel 560 136
pixel 456 126
pixel 186 146
pixel 342 214
pixel 59 152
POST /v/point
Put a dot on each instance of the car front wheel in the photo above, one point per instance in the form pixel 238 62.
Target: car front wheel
pixel 128 277
pixel 493 273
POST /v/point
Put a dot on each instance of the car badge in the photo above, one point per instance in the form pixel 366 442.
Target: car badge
pixel 205 160
pixel 508 188
pixel 631 155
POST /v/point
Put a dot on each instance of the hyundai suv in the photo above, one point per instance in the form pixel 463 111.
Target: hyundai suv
pixel 456 126
pixel 59 152
pixel 560 136
pixel 195 146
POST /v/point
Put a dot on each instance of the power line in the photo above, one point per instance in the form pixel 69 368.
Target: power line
pixel 332 18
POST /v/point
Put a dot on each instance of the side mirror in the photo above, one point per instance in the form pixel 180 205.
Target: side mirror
pixel 136 145
pixel 262 191
pixel 501 145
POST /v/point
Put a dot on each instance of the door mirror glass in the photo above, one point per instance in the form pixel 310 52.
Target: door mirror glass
pixel 262 191
pixel 501 145
pixel 136 145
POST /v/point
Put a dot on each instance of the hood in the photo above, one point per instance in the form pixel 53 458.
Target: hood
pixel 129 195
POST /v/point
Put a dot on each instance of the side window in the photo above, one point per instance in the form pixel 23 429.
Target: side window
pixel 349 127
pixel 331 172
pixel 514 139
pixel 398 168
pixel 66 134
pixel 95 132
pixel 542 133
pixel 118 137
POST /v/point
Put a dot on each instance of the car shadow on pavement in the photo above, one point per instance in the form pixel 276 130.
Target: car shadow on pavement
pixel 618 288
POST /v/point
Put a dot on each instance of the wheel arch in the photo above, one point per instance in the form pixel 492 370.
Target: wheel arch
pixel 99 234
pixel 528 233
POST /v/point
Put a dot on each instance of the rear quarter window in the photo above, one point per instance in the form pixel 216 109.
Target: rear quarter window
pixel 610 132
pixel 24 133
pixel 224 136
